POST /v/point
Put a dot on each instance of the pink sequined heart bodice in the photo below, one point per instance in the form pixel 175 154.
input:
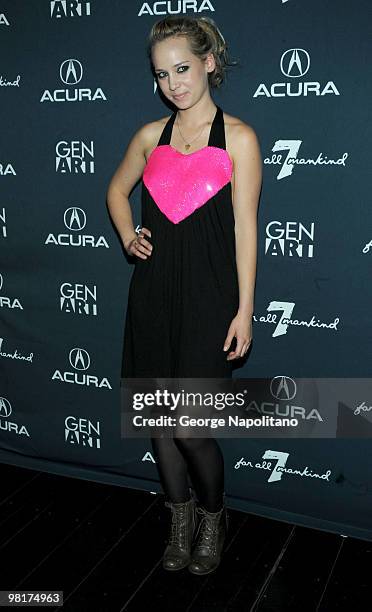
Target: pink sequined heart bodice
pixel 181 183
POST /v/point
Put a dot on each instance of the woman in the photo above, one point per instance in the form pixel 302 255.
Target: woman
pixel 191 293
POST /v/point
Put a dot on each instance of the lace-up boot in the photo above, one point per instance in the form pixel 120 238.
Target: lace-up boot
pixel 210 539
pixel 178 551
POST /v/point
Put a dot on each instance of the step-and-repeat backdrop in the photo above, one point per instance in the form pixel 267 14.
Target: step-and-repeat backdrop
pixel 75 85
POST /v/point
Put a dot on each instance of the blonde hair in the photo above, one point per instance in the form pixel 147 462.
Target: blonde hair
pixel 203 36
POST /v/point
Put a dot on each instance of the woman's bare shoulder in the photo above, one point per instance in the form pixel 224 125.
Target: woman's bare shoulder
pixel 151 132
pixel 236 127
pixel 238 134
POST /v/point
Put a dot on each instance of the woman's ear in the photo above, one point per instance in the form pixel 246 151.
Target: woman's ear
pixel 210 62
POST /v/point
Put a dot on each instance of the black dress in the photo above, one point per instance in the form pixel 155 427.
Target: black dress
pixel 183 297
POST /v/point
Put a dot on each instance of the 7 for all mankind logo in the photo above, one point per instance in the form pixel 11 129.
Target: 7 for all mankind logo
pixel 291 159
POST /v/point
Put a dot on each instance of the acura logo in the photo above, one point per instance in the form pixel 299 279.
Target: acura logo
pixel 5 407
pixel 71 72
pixel 79 359
pixel 74 218
pixel 295 63
pixel 283 388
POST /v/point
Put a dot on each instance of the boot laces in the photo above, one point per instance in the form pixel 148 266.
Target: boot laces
pixel 208 531
pixel 178 526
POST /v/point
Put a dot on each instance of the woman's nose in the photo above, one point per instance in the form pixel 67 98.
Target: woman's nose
pixel 172 82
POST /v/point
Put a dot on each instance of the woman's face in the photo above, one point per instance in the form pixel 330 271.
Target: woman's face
pixel 181 75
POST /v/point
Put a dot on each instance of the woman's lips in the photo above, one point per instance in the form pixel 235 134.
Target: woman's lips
pixel 180 96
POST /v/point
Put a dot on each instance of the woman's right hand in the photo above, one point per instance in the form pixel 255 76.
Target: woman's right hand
pixel 139 246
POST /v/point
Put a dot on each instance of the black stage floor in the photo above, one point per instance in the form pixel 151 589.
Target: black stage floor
pixel 102 546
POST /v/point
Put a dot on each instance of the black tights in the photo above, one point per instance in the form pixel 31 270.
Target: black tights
pixel 201 458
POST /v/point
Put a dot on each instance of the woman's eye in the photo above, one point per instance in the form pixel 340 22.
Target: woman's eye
pixel 160 75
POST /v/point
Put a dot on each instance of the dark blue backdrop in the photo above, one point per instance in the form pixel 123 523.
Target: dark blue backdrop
pixel 74 87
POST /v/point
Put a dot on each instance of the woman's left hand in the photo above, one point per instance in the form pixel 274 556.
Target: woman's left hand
pixel 241 329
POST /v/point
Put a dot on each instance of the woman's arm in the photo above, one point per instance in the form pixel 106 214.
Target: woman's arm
pixel 122 182
pixel 247 187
